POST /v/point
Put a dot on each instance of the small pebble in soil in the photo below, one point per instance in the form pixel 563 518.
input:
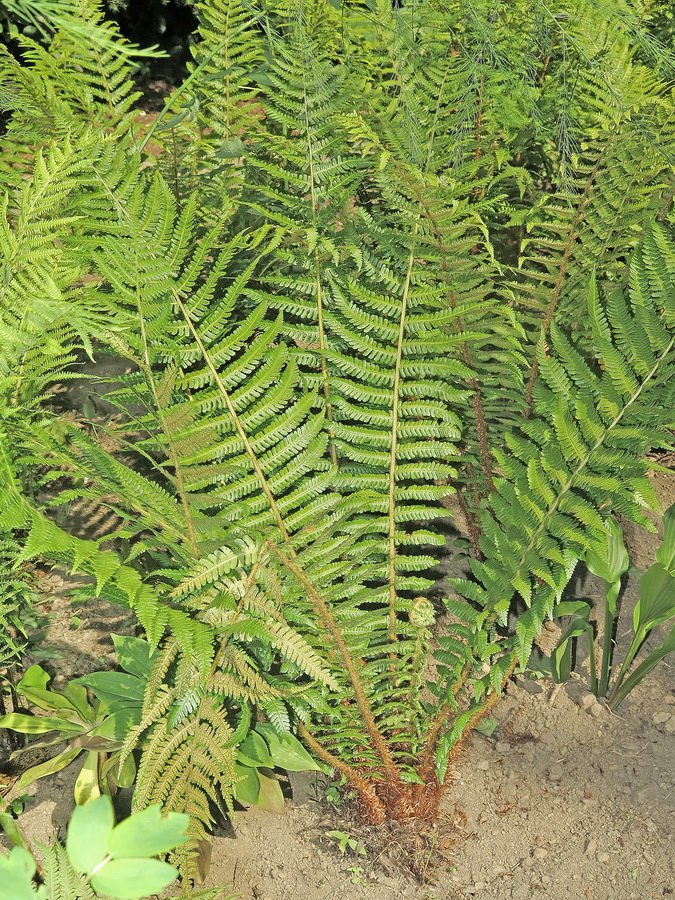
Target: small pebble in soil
pixel 540 853
pixel 596 710
pixel 483 765
pixel 603 856
pixel 587 700
pixel 660 718
pixel 502 747
pixel 591 847
pixel 670 725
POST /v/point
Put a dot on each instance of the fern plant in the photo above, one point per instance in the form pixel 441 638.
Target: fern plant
pixel 332 275
pixel 17 600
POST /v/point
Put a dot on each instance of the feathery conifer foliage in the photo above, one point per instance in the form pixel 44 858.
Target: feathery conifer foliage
pixel 364 259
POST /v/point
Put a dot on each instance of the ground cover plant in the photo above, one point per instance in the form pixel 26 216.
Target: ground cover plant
pixel 363 259
pixel 99 858
pixel 655 607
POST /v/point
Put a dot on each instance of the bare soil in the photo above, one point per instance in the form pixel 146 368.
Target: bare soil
pixel 565 800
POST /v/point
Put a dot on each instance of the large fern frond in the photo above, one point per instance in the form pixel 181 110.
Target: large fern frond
pixel 580 457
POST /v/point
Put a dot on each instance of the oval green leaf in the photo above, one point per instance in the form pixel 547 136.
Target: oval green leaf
pixel 88 833
pixel 148 833
pixel 287 752
pixel 270 796
pixel 253 751
pixel 657 600
pixel 111 686
pixel 16 875
pixel 612 562
pixel 247 789
pixel 133 654
pixel 130 879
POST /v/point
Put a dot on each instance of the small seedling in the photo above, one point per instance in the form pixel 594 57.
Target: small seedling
pixel 346 842
pixel 357 875
pixel 333 795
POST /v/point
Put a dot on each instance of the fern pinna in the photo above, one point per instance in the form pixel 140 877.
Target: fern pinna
pixel 322 355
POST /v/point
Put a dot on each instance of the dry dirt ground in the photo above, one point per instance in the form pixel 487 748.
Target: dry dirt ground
pixel 565 800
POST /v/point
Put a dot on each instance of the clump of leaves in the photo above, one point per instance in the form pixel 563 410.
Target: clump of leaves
pixel 655 607
pixel 99 859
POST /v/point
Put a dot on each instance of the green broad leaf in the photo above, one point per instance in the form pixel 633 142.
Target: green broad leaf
pixel 27 724
pixel 666 552
pixel 657 600
pixel 76 694
pixel 253 751
pixel 34 688
pixel 148 833
pixel 124 777
pixel 114 686
pixel 16 875
pixel 258 76
pixel 34 677
pixel 89 830
pixel 561 657
pixel 247 789
pixel 203 866
pixel 231 149
pixel 612 595
pixel 118 724
pixel 286 751
pixel 86 786
pixel 270 796
pixel 47 652
pixel 51 739
pixel 571 608
pixel 133 654
pixel 612 561
pixel 94 742
pixel 55 764
pixel 645 667
pixel 11 829
pixel 132 878
pixel 89 408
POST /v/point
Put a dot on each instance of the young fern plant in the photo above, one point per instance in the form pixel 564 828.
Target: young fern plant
pixel 365 344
